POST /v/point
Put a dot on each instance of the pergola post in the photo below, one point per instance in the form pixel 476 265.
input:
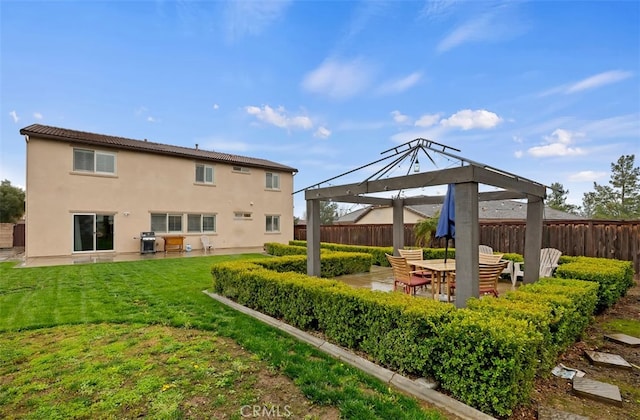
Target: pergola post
pixel 313 238
pixel 467 241
pixel 398 225
pixel 533 239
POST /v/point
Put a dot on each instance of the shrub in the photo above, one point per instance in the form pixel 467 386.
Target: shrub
pixel 613 276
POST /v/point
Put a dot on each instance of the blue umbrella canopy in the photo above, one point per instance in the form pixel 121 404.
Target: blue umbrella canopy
pixel 447 222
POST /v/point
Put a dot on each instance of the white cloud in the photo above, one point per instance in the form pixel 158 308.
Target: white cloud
pixel 338 79
pixel 37 115
pixel 400 85
pixel 322 132
pixel 14 116
pixel 598 80
pixel 216 106
pixel 498 24
pixel 247 17
pixel 399 117
pixel 591 82
pixel 279 117
pixel 436 9
pixel 518 154
pixel 428 120
pixel 468 119
pixel 151 119
pixel 473 30
pixel 558 144
pixel 590 176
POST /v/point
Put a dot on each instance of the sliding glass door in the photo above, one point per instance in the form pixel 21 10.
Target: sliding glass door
pixel 92 232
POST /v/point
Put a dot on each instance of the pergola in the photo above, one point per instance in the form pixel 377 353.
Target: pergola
pixel 466 178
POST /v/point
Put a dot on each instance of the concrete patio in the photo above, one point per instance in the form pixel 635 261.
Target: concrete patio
pixel 381 278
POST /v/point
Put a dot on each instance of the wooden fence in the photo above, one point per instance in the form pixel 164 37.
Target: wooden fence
pixel 592 238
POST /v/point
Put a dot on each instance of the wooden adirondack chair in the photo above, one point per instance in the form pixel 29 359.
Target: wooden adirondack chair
pixel 549 258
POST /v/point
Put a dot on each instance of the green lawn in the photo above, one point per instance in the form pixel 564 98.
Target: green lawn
pixel 140 339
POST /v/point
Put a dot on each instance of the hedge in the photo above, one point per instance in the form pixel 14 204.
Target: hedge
pixel 614 277
pixel 486 355
pixel 415 336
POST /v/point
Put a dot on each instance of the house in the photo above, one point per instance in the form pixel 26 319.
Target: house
pixel 88 193
pixel 487 210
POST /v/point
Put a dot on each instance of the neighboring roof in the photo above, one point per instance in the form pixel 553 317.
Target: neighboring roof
pixel 81 137
pixel 487 210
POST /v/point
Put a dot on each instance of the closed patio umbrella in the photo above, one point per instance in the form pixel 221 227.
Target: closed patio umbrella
pixel 447 222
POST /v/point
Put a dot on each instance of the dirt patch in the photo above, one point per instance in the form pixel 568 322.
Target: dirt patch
pixel 557 392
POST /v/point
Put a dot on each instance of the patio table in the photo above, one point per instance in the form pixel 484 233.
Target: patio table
pixel 440 270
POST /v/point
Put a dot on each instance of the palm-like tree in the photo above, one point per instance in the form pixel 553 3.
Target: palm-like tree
pixel 424 230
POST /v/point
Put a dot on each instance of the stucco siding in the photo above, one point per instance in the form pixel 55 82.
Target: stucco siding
pixel 384 215
pixel 146 183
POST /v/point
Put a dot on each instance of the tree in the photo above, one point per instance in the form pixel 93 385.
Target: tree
pixel 424 230
pixel 11 202
pixel 328 212
pixel 620 199
pixel 558 199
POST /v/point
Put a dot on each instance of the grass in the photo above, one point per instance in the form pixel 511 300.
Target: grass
pixel 140 339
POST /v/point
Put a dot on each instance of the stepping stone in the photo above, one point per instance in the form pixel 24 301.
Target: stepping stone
pixel 607 360
pixel 547 413
pixel 599 391
pixel 624 339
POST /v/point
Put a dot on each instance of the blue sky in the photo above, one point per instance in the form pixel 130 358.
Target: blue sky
pixel 547 90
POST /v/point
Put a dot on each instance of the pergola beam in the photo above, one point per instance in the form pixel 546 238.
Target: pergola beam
pixel 469 173
pixel 466 179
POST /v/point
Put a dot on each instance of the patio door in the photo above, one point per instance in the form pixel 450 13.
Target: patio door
pixel 92 232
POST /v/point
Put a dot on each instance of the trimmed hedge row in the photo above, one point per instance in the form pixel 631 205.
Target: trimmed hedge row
pixel 559 310
pixel 486 355
pixel 333 263
pixel 614 277
pixel 485 361
pixel 377 252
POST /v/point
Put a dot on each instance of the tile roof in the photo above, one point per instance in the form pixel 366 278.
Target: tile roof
pixel 487 210
pixel 81 137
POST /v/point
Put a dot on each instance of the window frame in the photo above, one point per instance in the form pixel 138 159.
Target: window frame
pixel 96 154
pixel 177 217
pixel 201 222
pixel 240 169
pixel 242 215
pixel 272 176
pixel 270 220
pixel 204 174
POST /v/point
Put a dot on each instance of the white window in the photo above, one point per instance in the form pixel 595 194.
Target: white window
pixel 95 161
pixel 241 169
pixel 204 173
pixel 273 181
pixel 201 223
pixel 241 215
pixel 165 223
pixel 273 224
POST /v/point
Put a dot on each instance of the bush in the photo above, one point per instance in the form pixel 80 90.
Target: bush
pixel 614 277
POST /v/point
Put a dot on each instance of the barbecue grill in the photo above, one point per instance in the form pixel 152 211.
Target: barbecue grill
pixel 147 242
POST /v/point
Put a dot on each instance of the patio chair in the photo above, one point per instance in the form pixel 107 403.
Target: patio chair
pixel 486 249
pixel 404 276
pixel 549 258
pixel 206 243
pixel 488 275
